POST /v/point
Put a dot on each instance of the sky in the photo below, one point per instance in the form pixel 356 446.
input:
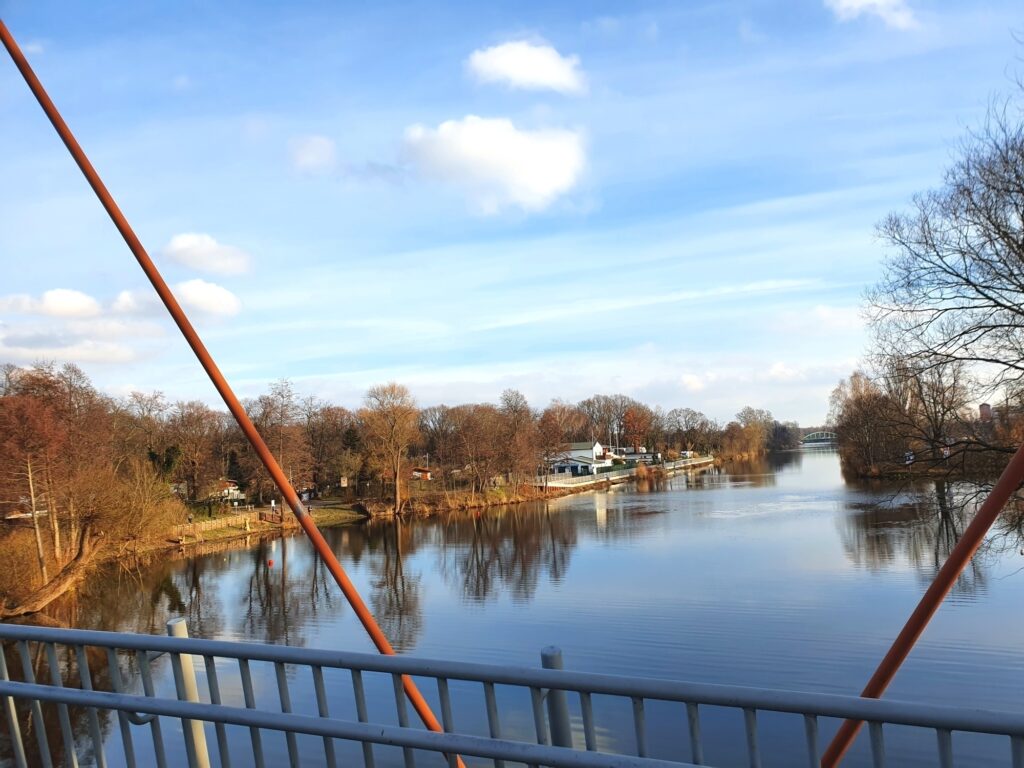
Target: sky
pixel 675 201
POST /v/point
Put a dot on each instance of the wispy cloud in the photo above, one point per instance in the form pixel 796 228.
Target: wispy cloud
pixel 313 154
pixel 581 308
pixel 529 66
pixel 499 164
pixel 895 13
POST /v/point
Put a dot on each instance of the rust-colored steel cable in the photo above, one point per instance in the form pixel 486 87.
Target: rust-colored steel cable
pixel 373 629
pixel 958 559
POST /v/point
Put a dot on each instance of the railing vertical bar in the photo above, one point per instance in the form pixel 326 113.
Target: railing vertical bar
pixel 945 739
pixel 147 687
pixel 587 710
pixel 493 723
pixel 286 707
pixel 222 733
pixel 250 703
pixel 126 732
pixel 403 717
pixel 84 676
pixel 446 714
pixel 696 743
pixel 1017 751
pixel 811 729
pixel 191 751
pixel 70 758
pixel 36 708
pixel 877 745
pixel 323 711
pixel 540 725
pixel 639 726
pixel 360 694
pixel 750 721
pixel 11 712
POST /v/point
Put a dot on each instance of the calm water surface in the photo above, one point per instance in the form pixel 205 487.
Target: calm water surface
pixel 773 574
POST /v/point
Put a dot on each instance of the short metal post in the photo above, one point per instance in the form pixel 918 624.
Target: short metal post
pixel 185 682
pixel 558 704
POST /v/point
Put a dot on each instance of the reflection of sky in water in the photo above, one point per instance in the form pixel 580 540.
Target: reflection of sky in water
pixel 774 574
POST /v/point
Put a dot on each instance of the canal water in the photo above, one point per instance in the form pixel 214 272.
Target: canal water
pixel 775 573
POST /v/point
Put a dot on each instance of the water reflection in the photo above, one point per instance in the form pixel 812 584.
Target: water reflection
pixel 916 527
pixel 485 555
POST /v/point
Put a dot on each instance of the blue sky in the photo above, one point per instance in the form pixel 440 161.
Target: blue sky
pixel 673 201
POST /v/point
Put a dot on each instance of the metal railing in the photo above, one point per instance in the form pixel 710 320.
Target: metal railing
pixel 558 705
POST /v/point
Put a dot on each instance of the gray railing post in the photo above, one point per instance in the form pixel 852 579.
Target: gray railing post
pixel 558 704
pixel 185 683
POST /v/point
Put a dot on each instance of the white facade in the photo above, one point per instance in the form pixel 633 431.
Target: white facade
pixel 581 459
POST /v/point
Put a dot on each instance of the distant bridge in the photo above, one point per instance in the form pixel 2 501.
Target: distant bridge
pixel 820 438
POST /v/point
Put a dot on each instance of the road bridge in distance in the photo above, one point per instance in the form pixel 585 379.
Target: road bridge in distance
pixel 820 439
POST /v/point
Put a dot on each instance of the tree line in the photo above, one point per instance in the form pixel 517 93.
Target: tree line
pixel 83 473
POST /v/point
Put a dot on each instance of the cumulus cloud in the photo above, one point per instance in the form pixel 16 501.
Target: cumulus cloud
pixel 498 163
pixel 58 302
pixel 313 154
pixel 203 253
pixel 526 65
pixel 895 13
pixel 207 297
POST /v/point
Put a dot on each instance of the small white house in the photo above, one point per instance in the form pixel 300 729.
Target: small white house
pixel 581 459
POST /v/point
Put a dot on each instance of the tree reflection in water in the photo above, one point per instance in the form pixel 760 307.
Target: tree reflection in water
pixel 505 550
pixel 921 525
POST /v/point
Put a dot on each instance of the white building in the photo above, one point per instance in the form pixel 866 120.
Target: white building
pixel 582 459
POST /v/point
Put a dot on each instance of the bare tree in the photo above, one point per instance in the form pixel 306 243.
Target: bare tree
pixel 953 285
pixel 390 426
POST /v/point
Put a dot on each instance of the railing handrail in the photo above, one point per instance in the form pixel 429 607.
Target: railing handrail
pixel 795 702
pixel 451 743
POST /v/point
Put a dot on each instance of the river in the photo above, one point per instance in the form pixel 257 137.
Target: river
pixel 775 573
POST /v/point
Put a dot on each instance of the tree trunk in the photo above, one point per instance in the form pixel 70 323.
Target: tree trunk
pixel 67 578
pixel 35 520
pixel 51 510
pixel 397 473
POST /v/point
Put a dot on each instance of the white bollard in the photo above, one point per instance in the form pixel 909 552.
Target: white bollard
pixel 185 683
pixel 558 704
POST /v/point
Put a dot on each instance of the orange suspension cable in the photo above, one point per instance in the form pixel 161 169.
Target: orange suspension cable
pixel 280 480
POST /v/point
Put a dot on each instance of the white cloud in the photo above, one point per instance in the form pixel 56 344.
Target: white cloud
pixel 207 297
pixel 781 372
pixel 58 302
pixel 85 351
pixel 531 66
pixel 691 382
pixel 895 13
pixel 203 253
pixel 313 154
pixel 500 164
pixel 32 46
pixel 112 328
pixel 132 302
